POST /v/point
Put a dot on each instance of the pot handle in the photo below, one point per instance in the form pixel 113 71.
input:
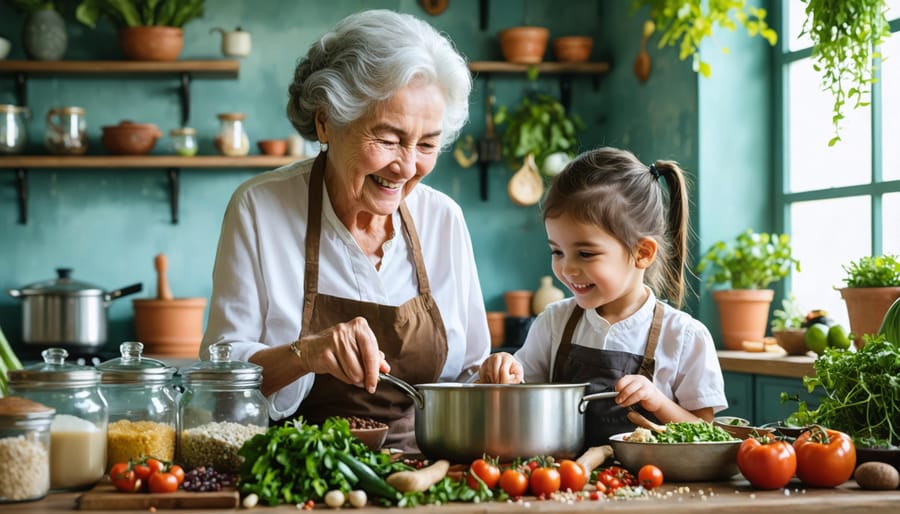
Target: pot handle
pixel 582 406
pixel 405 387
pixel 118 293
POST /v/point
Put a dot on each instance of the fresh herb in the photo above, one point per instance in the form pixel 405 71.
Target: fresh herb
pixel 450 489
pixel 140 13
pixel 296 462
pixel 692 432
pixel 751 261
pixel 861 392
pixel 879 271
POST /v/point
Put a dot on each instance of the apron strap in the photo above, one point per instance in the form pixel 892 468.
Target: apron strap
pixel 648 362
pixel 412 235
pixel 565 344
pixel 313 231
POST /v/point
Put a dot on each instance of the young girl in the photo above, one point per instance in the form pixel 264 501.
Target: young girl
pixel 615 244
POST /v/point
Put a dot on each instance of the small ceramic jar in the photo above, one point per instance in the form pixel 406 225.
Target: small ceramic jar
pixel 184 141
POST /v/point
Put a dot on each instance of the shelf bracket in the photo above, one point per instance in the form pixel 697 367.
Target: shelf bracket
pixel 22 88
pixel 185 93
pixel 565 91
pixel 173 175
pixel 22 194
pixel 484 8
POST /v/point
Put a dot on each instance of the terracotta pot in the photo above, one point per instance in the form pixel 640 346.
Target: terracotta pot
pixel 151 43
pixel 573 48
pixel 866 307
pixel 518 303
pixel 171 328
pixel 496 322
pixel 272 146
pixel 793 341
pixel 129 138
pixel 743 315
pixel 524 45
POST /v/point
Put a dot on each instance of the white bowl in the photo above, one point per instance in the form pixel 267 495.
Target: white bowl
pixel 680 462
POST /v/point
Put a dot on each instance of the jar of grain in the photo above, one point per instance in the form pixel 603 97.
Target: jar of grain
pixel 232 138
pixel 142 409
pixel 221 408
pixel 24 449
pixel 78 429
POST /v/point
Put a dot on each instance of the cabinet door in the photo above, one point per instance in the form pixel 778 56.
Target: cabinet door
pixel 739 392
pixel 767 397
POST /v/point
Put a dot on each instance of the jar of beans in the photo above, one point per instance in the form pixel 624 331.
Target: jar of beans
pixel 221 408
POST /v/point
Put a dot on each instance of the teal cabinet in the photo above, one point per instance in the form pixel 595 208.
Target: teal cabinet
pixel 739 392
pixel 757 397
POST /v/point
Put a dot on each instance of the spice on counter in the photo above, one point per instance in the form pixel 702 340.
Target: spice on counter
pixel 25 472
pixel 128 440
pixel 216 444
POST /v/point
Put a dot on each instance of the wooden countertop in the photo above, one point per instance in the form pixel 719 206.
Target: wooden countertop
pixel 720 498
pixel 777 364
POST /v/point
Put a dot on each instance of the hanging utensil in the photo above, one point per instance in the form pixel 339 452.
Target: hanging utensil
pixel 642 61
pixel 489 146
pixel 526 185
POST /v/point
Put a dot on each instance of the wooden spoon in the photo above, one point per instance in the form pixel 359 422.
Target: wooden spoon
pixel 163 291
pixel 642 62
pixel 638 419
pixel 526 186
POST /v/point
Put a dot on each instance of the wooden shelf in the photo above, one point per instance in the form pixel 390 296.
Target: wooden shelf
pixel 556 68
pixel 210 68
pixel 142 161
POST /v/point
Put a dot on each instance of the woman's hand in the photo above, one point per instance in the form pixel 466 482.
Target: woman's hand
pixel 348 351
pixel 500 368
pixel 638 388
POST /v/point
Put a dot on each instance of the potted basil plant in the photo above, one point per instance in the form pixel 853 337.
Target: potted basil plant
pixel 872 284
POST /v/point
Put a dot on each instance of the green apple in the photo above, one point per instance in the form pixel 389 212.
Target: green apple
pixel 837 337
pixel 817 337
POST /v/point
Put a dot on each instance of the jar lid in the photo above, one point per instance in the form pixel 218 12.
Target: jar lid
pixel 70 110
pixel 18 408
pixel 53 373
pixel 63 285
pixel 183 131
pixel 10 108
pixel 132 368
pixel 231 116
pixel 221 369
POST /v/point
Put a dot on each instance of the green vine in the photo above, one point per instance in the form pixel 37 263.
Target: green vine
pixel 685 23
pixel 846 36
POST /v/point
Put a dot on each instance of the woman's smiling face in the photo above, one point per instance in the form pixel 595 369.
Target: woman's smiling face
pixel 377 160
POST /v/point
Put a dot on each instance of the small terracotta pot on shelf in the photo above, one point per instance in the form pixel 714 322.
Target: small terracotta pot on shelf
pixel 573 48
pixel 496 325
pixel 151 43
pixel 524 45
pixel 518 303
pixel 272 146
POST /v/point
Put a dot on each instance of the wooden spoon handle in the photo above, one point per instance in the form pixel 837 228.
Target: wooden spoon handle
pixel 638 419
pixel 163 291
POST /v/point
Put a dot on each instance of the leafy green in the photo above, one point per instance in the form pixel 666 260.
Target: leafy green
pixel 861 392
pixel 879 271
pixel 140 13
pixel 451 490
pixel 688 432
pixel 539 125
pixel 751 261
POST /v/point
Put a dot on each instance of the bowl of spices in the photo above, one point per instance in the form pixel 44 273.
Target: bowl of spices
pixel 370 432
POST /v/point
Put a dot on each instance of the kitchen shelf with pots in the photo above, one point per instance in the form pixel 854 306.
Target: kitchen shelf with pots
pixel 564 70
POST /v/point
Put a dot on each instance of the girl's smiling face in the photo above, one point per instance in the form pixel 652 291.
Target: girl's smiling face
pixel 596 267
pixel 374 162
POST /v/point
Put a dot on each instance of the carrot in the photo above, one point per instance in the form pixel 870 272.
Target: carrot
pixel 420 479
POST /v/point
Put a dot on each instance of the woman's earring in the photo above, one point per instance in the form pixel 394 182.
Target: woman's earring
pixel 323 147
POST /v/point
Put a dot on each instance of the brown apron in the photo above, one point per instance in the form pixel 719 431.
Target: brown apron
pixel 412 336
pixel 601 369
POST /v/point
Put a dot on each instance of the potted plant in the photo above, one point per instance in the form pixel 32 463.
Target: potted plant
pixel 788 326
pixel 740 274
pixel 44 36
pixel 871 286
pixel 149 30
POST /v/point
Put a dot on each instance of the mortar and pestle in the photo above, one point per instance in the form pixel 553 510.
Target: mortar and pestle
pixel 167 325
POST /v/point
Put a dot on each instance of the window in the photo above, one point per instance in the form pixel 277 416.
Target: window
pixel 843 202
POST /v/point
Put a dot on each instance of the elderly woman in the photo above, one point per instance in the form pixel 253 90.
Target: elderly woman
pixel 329 271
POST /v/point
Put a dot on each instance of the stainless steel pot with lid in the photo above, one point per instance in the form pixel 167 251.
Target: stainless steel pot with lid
pixel 65 311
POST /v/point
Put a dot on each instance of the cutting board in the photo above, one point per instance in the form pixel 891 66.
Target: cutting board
pixel 106 497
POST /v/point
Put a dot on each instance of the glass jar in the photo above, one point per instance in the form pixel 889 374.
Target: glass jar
pixel 24 449
pixel 221 408
pixel 13 134
pixel 143 412
pixel 232 139
pixel 184 141
pixel 78 430
pixel 66 132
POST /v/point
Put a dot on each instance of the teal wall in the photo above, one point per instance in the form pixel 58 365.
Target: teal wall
pixel 108 224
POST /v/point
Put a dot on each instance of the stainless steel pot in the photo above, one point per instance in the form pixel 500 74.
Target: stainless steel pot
pixel 461 422
pixel 66 311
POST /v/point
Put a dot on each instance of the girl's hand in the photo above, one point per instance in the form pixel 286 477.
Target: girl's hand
pixel 501 368
pixel 639 389
pixel 348 351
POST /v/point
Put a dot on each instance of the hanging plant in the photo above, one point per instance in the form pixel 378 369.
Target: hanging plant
pixel 538 125
pixel 685 23
pixel 846 36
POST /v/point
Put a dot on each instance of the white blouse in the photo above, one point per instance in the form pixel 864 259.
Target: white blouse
pixel 257 297
pixel 687 368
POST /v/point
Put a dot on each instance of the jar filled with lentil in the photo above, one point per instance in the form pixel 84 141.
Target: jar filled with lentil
pixel 78 429
pixel 221 408
pixel 143 412
pixel 24 449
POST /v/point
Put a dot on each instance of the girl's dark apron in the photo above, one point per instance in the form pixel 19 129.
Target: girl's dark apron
pixel 411 335
pixel 601 369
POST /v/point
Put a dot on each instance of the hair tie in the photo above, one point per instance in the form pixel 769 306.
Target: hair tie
pixel 654 171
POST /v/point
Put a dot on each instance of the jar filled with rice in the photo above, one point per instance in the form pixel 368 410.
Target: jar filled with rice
pixel 24 449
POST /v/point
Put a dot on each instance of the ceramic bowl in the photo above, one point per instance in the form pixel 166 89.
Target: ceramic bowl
pixel 371 437
pixel 129 138
pixel 792 340
pixel 573 48
pixel 680 462
pixel 272 146
pixel 524 45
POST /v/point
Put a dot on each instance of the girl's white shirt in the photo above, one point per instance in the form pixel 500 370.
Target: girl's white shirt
pixel 687 367
pixel 257 297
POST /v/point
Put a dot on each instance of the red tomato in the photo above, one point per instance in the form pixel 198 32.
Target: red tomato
pixel 766 463
pixel 545 481
pixel 513 482
pixel 825 458
pixel 155 465
pixel 650 476
pixel 178 471
pixel 572 476
pixel 124 478
pixel 487 471
pixel 163 483
pixel 142 471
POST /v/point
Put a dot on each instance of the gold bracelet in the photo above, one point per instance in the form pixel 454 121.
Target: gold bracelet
pixel 295 347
